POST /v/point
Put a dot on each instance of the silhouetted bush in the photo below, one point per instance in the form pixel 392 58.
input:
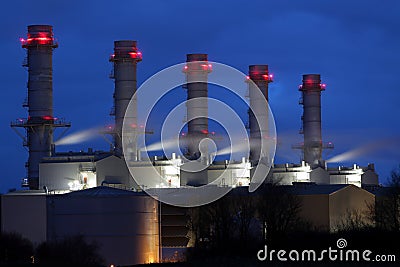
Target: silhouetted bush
pixel 69 251
pixel 15 249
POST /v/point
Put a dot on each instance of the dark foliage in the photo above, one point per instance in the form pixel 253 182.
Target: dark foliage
pixel 69 251
pixel 15 249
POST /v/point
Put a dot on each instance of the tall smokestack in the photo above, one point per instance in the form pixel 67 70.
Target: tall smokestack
pixel 260 78
pixel 125 59
pixel 197 69
pixel 41 122
pixel 311 101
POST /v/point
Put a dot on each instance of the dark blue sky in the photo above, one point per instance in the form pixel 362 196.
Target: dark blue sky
pixel 352 44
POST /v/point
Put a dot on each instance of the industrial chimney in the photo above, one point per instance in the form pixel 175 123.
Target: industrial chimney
pixel 41 122
pixel 259 78
pixel 196 69
pixel 125 59
pixel 311 101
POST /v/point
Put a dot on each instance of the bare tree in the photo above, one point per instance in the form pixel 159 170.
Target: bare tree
pixel 355 220
pixel 278 210
pixel 244 207
pixel 387 207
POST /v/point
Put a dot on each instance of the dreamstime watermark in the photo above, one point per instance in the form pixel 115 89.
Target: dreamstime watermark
pixel 330 254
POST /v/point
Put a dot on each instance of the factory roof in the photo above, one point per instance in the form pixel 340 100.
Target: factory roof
pixel 300 188
pixel 77 157
pixel 314 189
pixel 103 191
pixel 26 193
pixel 381 190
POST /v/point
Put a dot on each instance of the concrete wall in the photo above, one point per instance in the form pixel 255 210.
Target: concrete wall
pixel 315 210
pixel 319 176
pixel 369 177
pixel 24 214
pixel 329 212
pixel 57 175
pixel 113 170
pixel 349 203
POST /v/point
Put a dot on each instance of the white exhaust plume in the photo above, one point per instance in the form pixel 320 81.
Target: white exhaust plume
pixel 366 149
pixel 79 137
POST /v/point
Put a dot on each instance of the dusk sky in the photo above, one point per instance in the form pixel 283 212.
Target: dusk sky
pixel 354 45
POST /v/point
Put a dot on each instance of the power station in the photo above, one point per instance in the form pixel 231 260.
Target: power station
pixel 69 189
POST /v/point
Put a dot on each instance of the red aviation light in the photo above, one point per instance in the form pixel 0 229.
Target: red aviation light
pixel 41 38
pixel 136 55
pixel 323 86
pixel 257 76
pixel 47 118
pixel 206 67
pixel 268 77
pixel 197 66
pixel 204 131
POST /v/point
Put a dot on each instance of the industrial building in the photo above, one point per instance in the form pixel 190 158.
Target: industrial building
pixel 330 207
pixel 93 192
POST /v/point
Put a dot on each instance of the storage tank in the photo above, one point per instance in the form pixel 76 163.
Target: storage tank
pixel 125 224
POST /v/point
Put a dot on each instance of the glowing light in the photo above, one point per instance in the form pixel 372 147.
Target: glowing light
pixel 42 39
pixel 47 118
pixel 204 131
pixel 133 125
pixel 268 77
pixel 247 77
pixel 207 67
pixel 136 55
pixel 300 86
